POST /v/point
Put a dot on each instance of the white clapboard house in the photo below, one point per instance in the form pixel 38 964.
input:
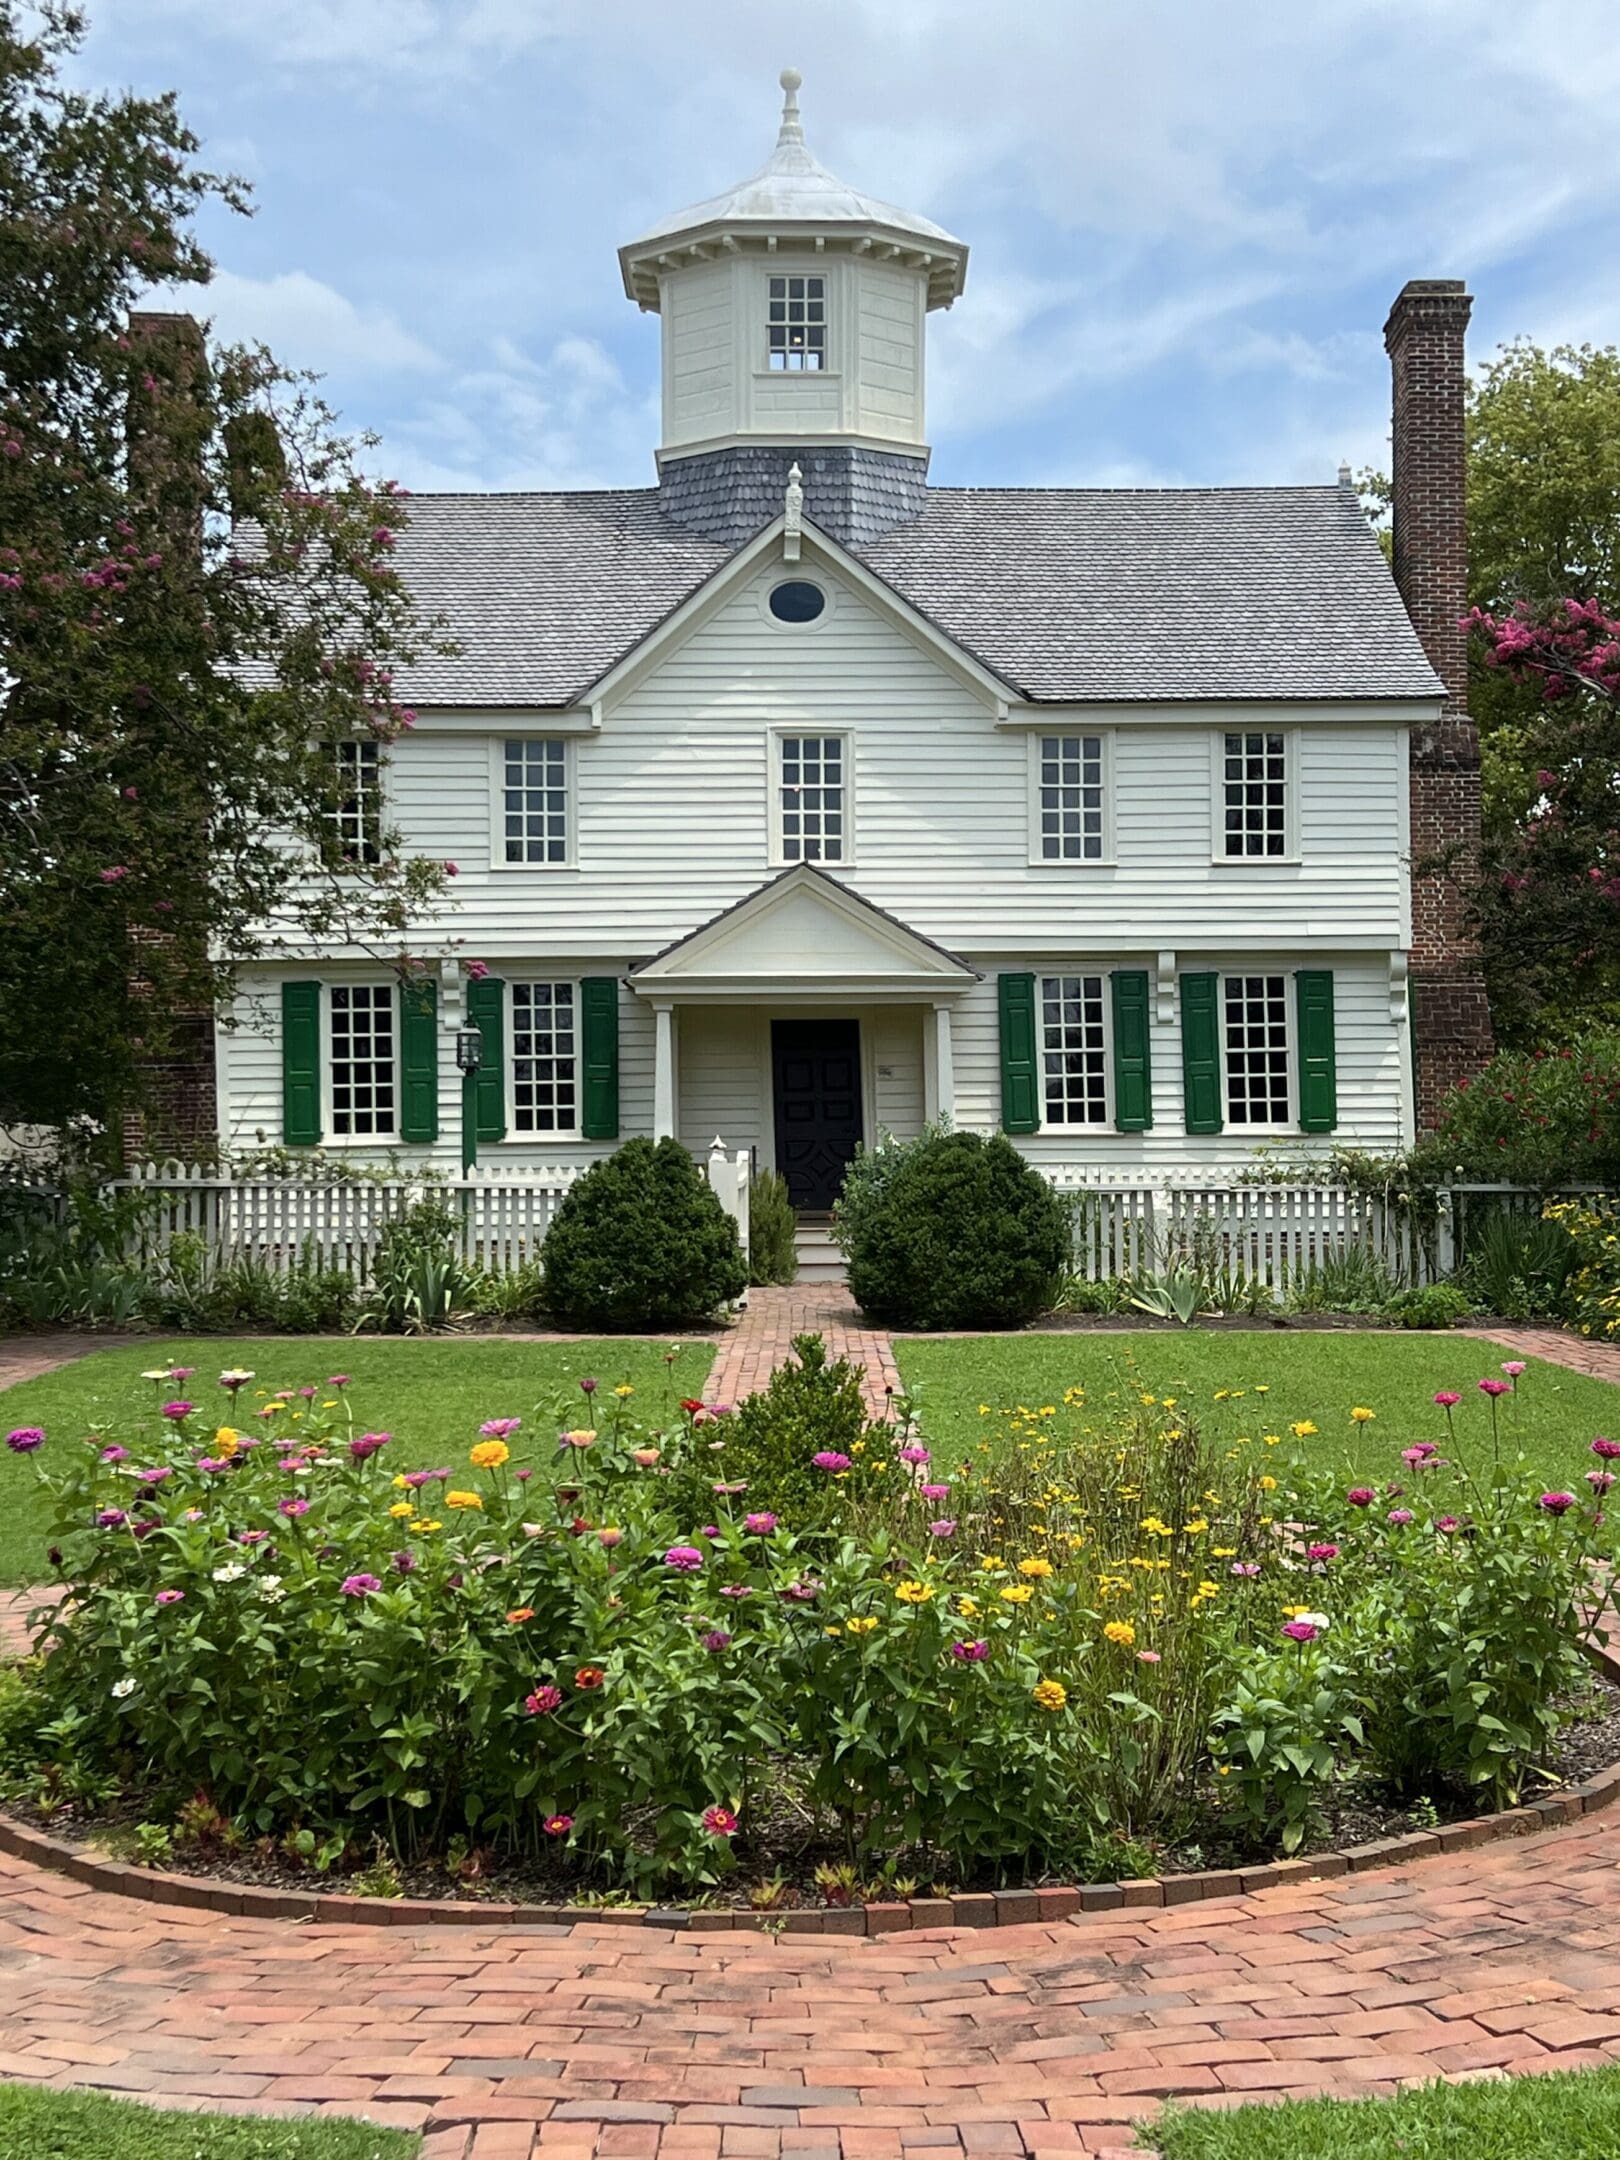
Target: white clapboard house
pixel 795 800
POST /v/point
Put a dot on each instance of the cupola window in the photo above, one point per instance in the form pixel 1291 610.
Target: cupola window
pixel 798 322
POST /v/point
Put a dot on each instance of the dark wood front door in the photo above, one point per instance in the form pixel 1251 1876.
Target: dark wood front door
pixel 816 1089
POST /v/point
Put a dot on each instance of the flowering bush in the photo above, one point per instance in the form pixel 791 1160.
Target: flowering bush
pixel 1118 1624
pixel 1592 1288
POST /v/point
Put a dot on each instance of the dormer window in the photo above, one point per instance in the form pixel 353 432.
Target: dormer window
pixel 798 323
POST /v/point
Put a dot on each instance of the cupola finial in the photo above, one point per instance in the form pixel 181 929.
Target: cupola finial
pixel 792 131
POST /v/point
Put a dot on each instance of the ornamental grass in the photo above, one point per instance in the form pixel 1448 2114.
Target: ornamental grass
pixel 583 1644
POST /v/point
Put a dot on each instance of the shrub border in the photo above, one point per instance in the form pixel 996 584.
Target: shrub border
pixel 975 1909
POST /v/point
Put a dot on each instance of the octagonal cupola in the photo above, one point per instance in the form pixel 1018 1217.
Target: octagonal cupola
pixel 793 311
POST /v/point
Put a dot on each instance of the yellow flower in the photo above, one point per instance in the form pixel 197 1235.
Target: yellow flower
pixel 1121 1632
pixel 401 1508
pixel 1292 1612
pixel 992 1564
pixel 1037 1568
pixel 1273 1439
pixel 623 1389
pixel 490 1454
pixel 1050 1694
pixel 862 1624
pixel 1223 1552
pixel 1018 1593
pixel 427 1528
pixel 911 1592
pixel 1196 1528
pixel 332 1405
pixel 1359 1416
pixel 1209 1589
pixel 226 1442
pixel 1267 1484
pixel 1303 1429
pixel 463 1499
pixel 399 1482
pixel 968 1607
pixel 832 1631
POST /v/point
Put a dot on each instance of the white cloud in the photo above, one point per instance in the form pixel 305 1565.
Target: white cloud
pixel 567 420
pixel 307 323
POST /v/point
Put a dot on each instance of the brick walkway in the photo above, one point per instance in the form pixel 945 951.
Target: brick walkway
pixel 509 2044
pixel 1597 1360
pixel 762 1339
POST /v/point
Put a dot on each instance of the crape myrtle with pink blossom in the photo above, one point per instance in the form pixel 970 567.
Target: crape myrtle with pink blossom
pixel 173 677
pixel 611 1659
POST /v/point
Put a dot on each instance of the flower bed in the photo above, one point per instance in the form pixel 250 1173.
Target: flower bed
pixel 618 1669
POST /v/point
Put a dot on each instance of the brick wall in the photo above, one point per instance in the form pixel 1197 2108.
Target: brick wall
pixel 1425 340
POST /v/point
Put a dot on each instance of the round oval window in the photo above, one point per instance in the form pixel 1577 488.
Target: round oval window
pixel 798 601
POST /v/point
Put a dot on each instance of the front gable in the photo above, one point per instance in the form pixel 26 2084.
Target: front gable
pixel 780 553
pixel 802 934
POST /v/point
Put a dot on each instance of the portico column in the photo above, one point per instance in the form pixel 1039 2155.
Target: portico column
pixel 663 1072
pixel 943 1073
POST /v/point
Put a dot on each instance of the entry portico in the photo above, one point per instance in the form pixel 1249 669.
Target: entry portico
pixel 806 1016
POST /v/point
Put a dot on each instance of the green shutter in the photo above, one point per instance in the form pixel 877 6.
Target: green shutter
pixel 486 1011
pixel 1020 1091
pixel 1318 1077
pixel 599 1035
pixel 301 1063
pixel 1133 1066
pixel 418 1063
pixel 1201 1052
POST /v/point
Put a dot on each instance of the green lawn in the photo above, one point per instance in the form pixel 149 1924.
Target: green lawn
pixel 432 1396
pixel 1318 1378
pixel 84 2126
pixel 1573 2116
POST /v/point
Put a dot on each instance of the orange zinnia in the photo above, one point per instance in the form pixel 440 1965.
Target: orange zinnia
pixel 589 1676
pixel 523 1612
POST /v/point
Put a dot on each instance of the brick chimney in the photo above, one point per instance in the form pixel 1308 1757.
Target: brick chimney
pixel 166 428
pixel 1451 1022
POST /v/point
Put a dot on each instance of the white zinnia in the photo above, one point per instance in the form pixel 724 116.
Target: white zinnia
pixel 233 1571
pixel 124 1687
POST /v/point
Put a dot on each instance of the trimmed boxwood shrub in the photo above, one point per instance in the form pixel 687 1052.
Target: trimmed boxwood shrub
pixel 641 1242
pixel 952 1231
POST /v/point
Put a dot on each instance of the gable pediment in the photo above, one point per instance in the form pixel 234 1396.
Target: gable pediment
pixel 804 932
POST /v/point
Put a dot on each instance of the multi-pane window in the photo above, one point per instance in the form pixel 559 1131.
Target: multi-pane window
pixel 1256 1026
pixel 1256 794
pixel 363 1078
pixel 545 1069
pixel 357 812
pixel 1070 802
pixel 813 798
pixel 1074 1050
pixel 535 800
pixel 798 322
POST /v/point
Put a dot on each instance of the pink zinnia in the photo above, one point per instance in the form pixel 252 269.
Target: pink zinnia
pixel 1415 1457
pixel 1600 1480
pixel 934 1492
pixel 715 1639
pixel 1361 1496
pixel 154 1476
pixel 1148 1657
pixel 1447 1400
pixel 368 1444
pixel 558 1825
pixel 1322 1552
pixel 543 1701
pixel 1556 1503
pixel 295 1506
pixel 25 1439
pixel 1493 1387
pixel 1245 1567
pixel 1447 1523
pixel 115 1454
pixel 500 1428
pixel 685 1559
pixel 759 1525
pixel 720 1822
pixel 828 1459
pixel 735 1590
pixel 178 1410
pixel 970 1653
pixel 111 1518
pixel 915 1455
pixel 1300 1631
pixel 1513 1368
pixel 1608 1449
pixel 943 1528
pixel 168 1597
pixel 360 1585
pixel 338 1380
pixel 1400 1516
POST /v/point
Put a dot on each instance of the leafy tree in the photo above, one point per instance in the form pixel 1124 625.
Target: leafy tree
pixel 172 680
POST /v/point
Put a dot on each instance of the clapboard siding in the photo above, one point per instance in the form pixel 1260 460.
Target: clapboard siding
pixel 673 808
pixel 700 359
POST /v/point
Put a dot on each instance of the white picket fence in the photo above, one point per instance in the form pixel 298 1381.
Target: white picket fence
pixel 284 1224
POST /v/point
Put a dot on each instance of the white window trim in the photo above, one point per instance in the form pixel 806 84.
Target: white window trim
pixel 786 573
pixel 334 1138
pixel 1108 859
pixel 778 733
pixel 497 802
pixel 1292 739
pixel 760 323
pixel 1291 1122
pixel 515 1136
pixel 380 771
pixel 1106 1123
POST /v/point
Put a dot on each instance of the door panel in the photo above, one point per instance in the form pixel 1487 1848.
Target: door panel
pixel 816 1092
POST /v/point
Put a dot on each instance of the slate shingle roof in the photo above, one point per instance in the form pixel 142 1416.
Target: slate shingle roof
pixel 1065 593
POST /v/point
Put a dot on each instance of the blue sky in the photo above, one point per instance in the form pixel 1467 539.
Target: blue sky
pixel 1187 219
